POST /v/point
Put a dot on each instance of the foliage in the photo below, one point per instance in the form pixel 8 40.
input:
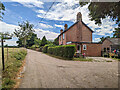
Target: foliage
pixel 45 48
pixel 56 41
pixel 41 48
pixel 31 40
pixel 66 51
pixel 44 41
pixel 2 8
pixel 101 10
pixel 12 67
pixel 34 47
pixel 20 55
pixel 116 33
pixel 103 38
pixel 83 59
pixel 20 43
pixel 25 30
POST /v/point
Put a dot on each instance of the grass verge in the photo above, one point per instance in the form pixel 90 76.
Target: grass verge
pixel 83 59
pixel 72 59
pixel 12 66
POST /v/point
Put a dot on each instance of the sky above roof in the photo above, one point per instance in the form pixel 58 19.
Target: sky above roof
pixel 62 12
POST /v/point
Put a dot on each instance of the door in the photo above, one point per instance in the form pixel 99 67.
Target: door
pixel 79 48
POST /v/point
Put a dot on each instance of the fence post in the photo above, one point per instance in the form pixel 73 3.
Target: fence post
pixel 7 53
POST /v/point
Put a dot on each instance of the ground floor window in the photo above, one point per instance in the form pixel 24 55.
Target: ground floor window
pixel 84 47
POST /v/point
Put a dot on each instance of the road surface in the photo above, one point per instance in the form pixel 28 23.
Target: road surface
pixel 43 71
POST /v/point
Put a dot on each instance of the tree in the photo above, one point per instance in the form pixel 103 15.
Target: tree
pixel 116 33
pixel 56 41
pixel 25 30
pixel 31 40
pixel 101 10
pixel 2 8
pixel 44 41
pixel 103 38
pixel 20 43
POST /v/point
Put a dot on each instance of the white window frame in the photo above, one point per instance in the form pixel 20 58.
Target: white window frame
pixel 84 47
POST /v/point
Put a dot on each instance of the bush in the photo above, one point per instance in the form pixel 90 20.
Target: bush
pixel 66 51
pixel 45 49
pixel 41 49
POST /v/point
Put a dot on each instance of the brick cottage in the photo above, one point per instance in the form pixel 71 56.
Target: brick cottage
pixel 80 35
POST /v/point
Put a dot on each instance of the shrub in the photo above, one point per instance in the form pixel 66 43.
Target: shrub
pixel 41 49
pixel 45 49
pixel 66 51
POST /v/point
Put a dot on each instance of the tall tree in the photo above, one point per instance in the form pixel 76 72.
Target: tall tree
pixel 116 33
pixel 44 41
pixel 101 10
pixel 25 30
pixel 56 41
pixel 103 38
pixel 31 40
pixel 2 8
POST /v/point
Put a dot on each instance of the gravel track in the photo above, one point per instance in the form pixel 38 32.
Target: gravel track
pixel 43 71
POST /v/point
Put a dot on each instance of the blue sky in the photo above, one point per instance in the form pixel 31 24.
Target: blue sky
pixel 61 13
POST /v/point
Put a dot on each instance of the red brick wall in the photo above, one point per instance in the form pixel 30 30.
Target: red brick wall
pixel 86 34
pixel 106 44
pixel 79 32
pixel 92 49
pixel 71 34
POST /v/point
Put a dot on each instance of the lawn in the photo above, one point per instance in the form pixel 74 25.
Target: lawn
pixel 12 65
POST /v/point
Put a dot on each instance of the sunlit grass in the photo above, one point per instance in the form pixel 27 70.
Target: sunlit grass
pixel 12 65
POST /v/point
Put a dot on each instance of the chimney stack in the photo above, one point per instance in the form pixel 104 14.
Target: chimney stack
pixel 79 16
pixel 61 30
pixel 65 26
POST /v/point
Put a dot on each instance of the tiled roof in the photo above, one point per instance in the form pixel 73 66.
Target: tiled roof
pixel 115 41
pixel 73 25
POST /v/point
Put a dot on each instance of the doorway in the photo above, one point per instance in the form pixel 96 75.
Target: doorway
pixel 79 48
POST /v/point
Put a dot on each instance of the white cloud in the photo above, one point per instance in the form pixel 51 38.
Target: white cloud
pixel 67 11
pixel 28 3
pixel 48 34
pixel 4 27
pixel 61 26
pixel 96 39
pixel 41 25
pixel 64 11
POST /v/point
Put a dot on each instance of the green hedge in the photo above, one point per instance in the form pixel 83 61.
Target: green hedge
pixel 45 49
pixel 66 51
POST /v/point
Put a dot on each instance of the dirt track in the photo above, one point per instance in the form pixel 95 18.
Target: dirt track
pixel 43 71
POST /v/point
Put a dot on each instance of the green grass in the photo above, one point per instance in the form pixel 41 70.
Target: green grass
pixel 12 66
pixel 116 59
pixel 73 59
pixel 83 59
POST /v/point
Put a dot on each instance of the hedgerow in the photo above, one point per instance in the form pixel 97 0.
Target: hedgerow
pixel 66 51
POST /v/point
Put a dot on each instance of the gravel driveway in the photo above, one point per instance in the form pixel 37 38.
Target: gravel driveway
pixel 43 71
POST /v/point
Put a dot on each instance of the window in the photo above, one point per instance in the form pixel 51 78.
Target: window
pixel 104 49
pixel 108 49
pixel 63 36
pixel 84 47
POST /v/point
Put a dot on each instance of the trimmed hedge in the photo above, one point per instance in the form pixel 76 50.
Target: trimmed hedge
pixel 66 51
pixel 45 49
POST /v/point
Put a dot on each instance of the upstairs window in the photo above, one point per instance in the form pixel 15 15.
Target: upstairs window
pixel 63 36
pixel 84 47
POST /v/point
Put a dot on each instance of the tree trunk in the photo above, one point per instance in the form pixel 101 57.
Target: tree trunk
pixel 25 42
